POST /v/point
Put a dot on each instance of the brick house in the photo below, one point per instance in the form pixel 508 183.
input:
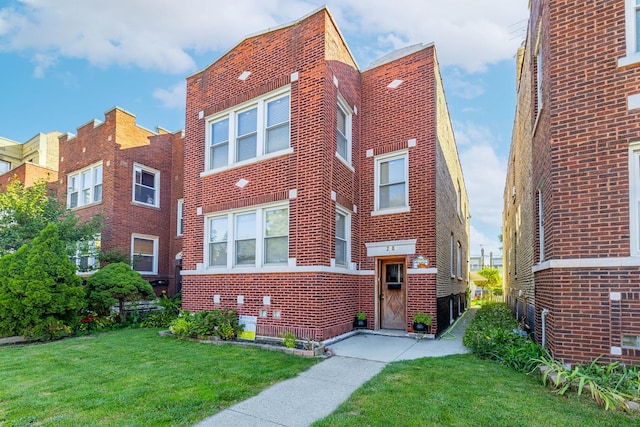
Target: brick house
pixel 133 178
pixel 572 222
pixel 30 161
pixel 315 190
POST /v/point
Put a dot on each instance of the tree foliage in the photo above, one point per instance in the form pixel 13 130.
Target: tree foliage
pixel 115 284
pixel 26 211
pixel 40 293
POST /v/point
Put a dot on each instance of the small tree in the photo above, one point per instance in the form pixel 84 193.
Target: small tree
pixel 26 211
pixel 40 294
pixel 494 281
pixel 115 284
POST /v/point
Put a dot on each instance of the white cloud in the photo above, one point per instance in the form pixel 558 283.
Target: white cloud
pixel 174 97
pixel 165 34
pixel 479 240
pixel 485 174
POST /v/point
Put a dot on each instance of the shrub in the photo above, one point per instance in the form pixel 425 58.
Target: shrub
pixel 288 339
pixel 115 284
pixel 221 323
pixel 40 293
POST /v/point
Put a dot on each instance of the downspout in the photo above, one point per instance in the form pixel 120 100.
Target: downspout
pixel 543 316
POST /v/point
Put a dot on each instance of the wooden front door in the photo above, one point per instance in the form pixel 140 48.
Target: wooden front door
pixel 392 295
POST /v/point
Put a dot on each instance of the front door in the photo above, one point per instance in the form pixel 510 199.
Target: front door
pixel 392 295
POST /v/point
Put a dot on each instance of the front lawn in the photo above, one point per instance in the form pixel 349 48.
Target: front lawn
pixel 132 377
pixel 465 391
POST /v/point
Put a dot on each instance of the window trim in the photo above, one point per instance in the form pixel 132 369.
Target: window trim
pixel 156 182
pixel 634 199
pixel 459 260
pixel 541 257
pixel 632 51
pixel 340 210
pixel 77 174
pixel 343 106
pixel 231 115
pixel 378 160
pixel 155 240
pixel 260 236
pixel 452 257
pixel 180 218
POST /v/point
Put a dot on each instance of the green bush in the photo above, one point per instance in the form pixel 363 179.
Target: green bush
pixel 221 323
pixel 40 293
pixel 493 334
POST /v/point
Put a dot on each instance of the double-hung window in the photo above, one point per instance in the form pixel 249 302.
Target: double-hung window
pixel 392 183
pixel 180 217
pixel 459 260
pixel 144 253
pixel 632 30
pixel 146 185
pixel 84 186
pixel 248 238
pixel 343 228
pixel 343 131
pixel 249 131
pixel 634 197
pixel 85 254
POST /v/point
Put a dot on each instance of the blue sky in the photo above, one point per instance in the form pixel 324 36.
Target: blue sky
pixel 67 62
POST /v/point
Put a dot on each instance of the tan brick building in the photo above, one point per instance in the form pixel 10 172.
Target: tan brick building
pixel 30 161
pixel 581 187
pixel 315 190
pixel 133 178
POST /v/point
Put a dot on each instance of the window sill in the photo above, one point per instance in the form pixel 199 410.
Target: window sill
pixel 628 60
pixel 145 205
pixel 391 211
pixel 88 205
pixel 345 162
pixel 243 163
pixel 147 273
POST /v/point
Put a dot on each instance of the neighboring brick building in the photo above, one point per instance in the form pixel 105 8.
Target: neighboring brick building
pixel 133 178
pixel 314 190
pixel 582 186
pixel 30 161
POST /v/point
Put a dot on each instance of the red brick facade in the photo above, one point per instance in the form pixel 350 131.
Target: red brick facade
pixel 313 291
pixel 118 144
pixel 584 165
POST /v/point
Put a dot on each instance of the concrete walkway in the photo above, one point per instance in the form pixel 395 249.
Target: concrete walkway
pixel 318 391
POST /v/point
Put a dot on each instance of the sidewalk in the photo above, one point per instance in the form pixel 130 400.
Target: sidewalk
pixel 317 392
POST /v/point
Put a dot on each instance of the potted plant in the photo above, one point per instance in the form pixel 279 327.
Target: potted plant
pixel 360 321
pixel 422 322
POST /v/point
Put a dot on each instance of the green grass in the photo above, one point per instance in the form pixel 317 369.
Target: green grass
pixel 465 391
pixel 132 378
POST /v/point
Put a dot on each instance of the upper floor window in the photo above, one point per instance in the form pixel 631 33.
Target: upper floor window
pixel 249 131
pixel 248 238
pixel 540 226
pixel 392 183
pixel 634 197
pixel 451 257
pixel 343 131
pixel 459 260
pixel 4 166
pixel 146 185
pixel 343 237
pixel 632 30
pixel 85 186
pixel 144 253
pixel 539 69
pixel 180 217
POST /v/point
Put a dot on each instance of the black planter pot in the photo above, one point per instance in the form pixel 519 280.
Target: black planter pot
pixel 420 328
pixel 360 324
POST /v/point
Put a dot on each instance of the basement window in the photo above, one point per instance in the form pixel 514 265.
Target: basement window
pixel 630 341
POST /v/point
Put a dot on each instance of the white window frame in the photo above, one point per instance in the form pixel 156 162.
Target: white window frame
pixel 232 116
pixel 452 257
pixel 4 169
pixel 180 217
pixel 539 70
pixel 379 160
pixel 347 240
pixel 631 34
pixel 76 177
pixel 540 225
pixel 459 260
pixel 155 240
pixel 156 182
pixel 91 252
pixel 348 123
pixel 634 198
pixel 260 236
